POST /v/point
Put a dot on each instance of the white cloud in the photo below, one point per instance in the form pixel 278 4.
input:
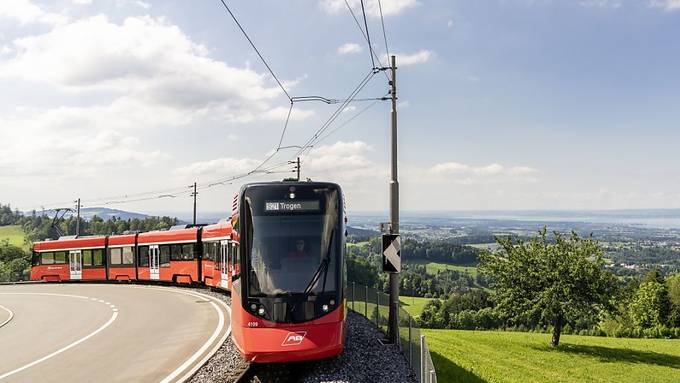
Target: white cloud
pixel 136 3
pixel 389 7
pixel 146 60
pixel 600 3
pixel 71 153
pixel 668 5
pixel 350 108
pixel 25 12
pixel 218 167
pixel 349 48
pixel 449 23
pixel 344 162
pixel 128 78
pixel 420 57
pixel 82 2
pixel 469 174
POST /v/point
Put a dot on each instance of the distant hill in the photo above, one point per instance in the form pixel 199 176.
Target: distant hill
pixel 357 232
pixel 104 213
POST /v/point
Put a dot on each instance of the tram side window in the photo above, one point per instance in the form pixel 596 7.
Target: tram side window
pixel 47 258
pixel 98 257
pixel 188 251
pixel 143 256
pixel 209 251
pixel 182 252
pixel 165 255
pixel 128 256
pixel 60 257
pixel 35 259
pixel 116 256
pixel 237 259
pixel 87 257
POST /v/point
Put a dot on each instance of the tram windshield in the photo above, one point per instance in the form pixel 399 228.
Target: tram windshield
pixel 293 242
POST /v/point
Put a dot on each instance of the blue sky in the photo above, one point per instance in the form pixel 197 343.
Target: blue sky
pixel 504 104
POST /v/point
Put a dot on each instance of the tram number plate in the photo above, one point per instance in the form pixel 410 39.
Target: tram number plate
pixel 253 324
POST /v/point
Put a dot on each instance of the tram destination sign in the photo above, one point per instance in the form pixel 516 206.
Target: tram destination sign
pixel 284 206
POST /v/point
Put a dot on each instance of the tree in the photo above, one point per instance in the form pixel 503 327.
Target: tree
pixel 548 283
pixel 673 285
pixel 649 307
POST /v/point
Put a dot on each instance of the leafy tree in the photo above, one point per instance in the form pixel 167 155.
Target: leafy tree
pixel 649 307
pixel 549 283
pixel 673 285
pixel 14 262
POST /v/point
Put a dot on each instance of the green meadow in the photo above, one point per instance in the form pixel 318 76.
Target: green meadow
pixel 14 234
pixel 492 356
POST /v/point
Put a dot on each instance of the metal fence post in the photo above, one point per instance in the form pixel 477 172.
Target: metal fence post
pixel 366 304
pixel 422 358
pixel 410 346
pixel 432 377
pixel 377 308
pixel 353 296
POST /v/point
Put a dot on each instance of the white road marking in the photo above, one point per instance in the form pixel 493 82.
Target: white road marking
pixel 68 347
pixel 11 315
pixel 192 359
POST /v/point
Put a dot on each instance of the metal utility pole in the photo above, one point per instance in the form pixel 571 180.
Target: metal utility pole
pixel 78 217
pixel 195 193
pixel 394 208
pixel 296 166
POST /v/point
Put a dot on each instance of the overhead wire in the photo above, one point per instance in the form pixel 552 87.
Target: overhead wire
pixel 371 51
pixel 368 35
pixel 314 139
pixel 346 122
pixel 382 21
pixel 256 50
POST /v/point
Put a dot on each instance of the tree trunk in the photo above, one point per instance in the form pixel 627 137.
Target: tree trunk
pixel 557 331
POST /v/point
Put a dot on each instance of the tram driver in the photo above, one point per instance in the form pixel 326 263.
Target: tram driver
pixel 300 250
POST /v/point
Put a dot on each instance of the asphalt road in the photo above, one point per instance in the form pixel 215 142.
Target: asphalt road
pixel 107 333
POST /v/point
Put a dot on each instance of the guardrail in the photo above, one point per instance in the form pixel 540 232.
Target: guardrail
pixel 374 305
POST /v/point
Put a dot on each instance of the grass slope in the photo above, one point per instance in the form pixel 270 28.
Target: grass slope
pixel 413 305
pixel 486 356
pixel 15 235
pixel 433 268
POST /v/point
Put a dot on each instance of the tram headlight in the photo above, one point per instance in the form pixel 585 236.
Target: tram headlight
pixel 292 195
pixel 260 311
pixel 324 308
pixel 253 307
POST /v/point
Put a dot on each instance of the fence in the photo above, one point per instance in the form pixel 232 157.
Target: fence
pixel 374 305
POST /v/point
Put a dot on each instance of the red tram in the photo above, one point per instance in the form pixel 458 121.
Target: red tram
pixel 282 255
pixel 288 296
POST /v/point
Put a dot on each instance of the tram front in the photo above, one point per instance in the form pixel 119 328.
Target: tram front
pixel 292 280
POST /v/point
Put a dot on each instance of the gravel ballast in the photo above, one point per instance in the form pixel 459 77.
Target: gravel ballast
pixel 226 365
pixel 365 359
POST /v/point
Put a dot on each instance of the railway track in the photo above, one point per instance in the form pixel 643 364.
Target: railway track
pixel 272 373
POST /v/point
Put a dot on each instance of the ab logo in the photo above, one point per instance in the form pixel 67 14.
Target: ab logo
pixel 294 338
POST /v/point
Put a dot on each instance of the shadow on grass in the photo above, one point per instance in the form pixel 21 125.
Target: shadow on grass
pixel 447 371
pixel 612 354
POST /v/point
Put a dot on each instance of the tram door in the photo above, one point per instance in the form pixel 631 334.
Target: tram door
pixel 224 264
pixel 75 261
pixel 154 262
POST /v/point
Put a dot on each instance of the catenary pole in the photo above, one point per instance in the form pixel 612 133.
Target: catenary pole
pixel 194 194
pixel 394 208
pixel 78 218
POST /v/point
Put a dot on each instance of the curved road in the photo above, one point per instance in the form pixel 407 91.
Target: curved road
pixel 107 333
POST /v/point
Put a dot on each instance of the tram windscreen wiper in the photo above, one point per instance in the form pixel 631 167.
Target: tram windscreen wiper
pixel 323 267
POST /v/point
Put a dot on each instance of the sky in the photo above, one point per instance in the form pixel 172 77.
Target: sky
pixel 502 104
